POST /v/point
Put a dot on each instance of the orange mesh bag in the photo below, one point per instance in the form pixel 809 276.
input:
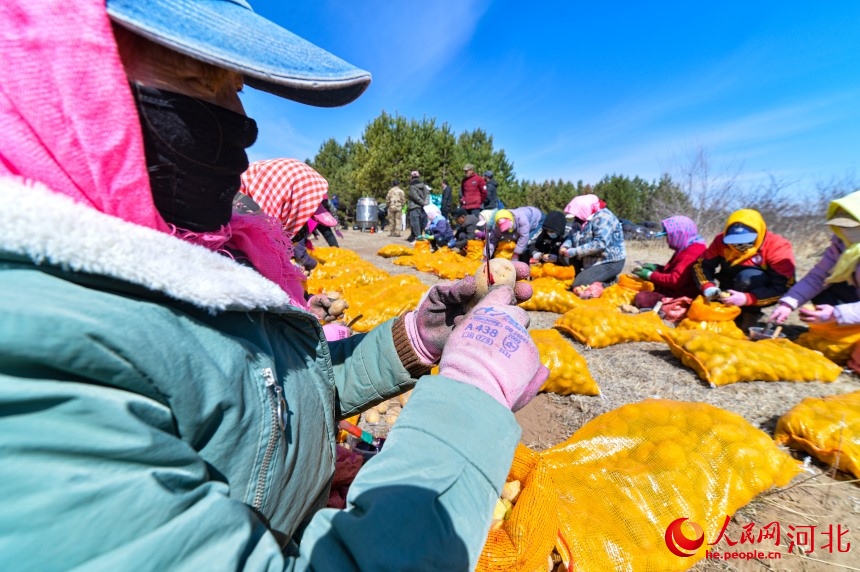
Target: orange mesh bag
pixel 526 539
pixel 394 250
pixel 475 250
pixel 406 260
pixel 833 340
pixel 505 249
pixel 599 327
pixel 549 270
pixel 827 428
pixel 330 255
pixel 720 360
pixel 713 317
pixel 551 295
pixel 703 311
pixel 727 328
pixel 446 264
pixel 626 475
pixel 381 301
pixel 422 246
pixel 568 371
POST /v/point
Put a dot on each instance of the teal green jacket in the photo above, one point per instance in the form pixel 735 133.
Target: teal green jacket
pixel 164 407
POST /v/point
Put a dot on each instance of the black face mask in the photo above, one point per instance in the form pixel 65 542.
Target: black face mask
pixel 195 154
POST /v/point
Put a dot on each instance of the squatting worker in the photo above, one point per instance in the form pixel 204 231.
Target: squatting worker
pixel 746 265
pixel 833 284
pixel 517 226
pixel 167 401
pixel 595 245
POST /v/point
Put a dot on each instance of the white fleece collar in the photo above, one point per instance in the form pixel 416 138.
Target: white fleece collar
pixel 47 227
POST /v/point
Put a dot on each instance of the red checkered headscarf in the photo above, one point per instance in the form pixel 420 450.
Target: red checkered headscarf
pixel 285 189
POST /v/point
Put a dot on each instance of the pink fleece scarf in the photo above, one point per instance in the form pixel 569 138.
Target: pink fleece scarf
pixel 68 120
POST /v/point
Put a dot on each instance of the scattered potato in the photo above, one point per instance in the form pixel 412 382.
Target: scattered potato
pixel 371 416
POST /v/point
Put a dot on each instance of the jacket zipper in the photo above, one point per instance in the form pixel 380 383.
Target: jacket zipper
pixel 278 407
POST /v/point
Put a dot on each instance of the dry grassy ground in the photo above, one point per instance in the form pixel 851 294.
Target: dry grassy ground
pixel 629 373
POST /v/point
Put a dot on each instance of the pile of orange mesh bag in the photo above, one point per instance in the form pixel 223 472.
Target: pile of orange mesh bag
pixel 341 268
pixel 827 428
pixel 382 300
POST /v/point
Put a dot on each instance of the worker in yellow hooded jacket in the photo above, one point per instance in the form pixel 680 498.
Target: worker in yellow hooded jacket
pixel 746 265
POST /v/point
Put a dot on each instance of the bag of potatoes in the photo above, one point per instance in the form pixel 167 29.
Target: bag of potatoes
pixel 827 428
pixel 720 360
pixel 568 371
pixel 394 250
pixel 626 475
pixel 551 295
pixel 598 327
pixel 527 536
pixel 834 341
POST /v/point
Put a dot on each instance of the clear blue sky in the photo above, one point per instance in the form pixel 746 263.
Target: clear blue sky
pixel 577 90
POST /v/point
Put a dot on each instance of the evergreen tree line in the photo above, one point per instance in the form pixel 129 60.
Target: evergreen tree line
pixel 392 146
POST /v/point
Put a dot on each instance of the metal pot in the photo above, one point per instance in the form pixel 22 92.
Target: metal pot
pixel 366 213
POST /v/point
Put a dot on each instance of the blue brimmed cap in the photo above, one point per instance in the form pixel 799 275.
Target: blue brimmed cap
pixel 739 234
pixel 229 34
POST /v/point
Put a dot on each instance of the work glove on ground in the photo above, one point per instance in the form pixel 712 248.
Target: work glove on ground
pixel 820 315
pixel 320 306
pixel 734 298
pixel 780 314
pixel 493 351
pixel 711 292
pixel 643 273
pixel 443 307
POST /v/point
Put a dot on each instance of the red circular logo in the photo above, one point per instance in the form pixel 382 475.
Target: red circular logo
pixel 679 544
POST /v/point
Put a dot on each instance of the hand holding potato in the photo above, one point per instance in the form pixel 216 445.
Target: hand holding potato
pixel 444 305
pixel 327 307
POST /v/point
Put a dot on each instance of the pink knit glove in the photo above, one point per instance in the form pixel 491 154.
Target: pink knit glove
pixel 493 351
pixel 735 298
pixel 443 307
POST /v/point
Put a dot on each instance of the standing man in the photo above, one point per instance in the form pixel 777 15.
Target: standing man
pixel 447 199
pixel 473 190
pixel 419 196
pixel 396 200
pixel 492 199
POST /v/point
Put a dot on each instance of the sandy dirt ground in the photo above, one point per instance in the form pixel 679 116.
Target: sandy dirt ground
pixel 628 373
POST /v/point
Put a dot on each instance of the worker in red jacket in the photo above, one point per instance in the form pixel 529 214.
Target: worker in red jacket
pixel 746 266
pixel 675 278
pixel 473 190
